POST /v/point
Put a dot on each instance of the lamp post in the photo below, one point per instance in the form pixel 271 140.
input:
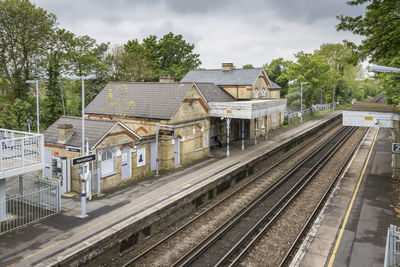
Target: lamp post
pixel 301 100
pixel 83 152
pixel 333 96
pixel 37 101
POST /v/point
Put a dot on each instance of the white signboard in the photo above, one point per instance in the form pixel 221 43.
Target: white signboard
pixel 141 157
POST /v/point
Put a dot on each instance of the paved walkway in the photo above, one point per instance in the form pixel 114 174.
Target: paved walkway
pixel 376 205
pixel 34 244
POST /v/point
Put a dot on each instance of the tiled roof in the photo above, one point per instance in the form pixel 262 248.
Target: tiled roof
pixel 274 85
pixel 213 93
pixel 150 100
pixel 220 77
pixel 95 129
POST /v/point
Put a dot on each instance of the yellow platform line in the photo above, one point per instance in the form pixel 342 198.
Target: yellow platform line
pixel 136 206
pixel 332 259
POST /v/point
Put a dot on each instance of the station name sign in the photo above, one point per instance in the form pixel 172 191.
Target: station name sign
pixel 170 132
pixel 83 159
pixel 73 149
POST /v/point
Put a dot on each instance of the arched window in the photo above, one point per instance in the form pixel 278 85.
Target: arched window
pixel 256 93
pixel 263 92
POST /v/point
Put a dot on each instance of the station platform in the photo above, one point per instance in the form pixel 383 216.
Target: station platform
pixel 351 230
pixel 50 240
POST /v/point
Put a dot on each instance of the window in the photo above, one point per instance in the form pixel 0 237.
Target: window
pixel 263 92
pixel 256 93
pixel 107 163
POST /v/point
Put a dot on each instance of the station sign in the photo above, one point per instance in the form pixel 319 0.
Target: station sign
pixel 84 159
pixel 396 147
pixel 73 149
pixel 170 132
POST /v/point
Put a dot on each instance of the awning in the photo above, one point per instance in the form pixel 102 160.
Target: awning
pixel 247 109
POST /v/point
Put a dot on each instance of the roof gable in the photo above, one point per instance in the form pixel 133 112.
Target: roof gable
pixel 95 131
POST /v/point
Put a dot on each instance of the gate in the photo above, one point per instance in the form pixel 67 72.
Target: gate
pixel 41 199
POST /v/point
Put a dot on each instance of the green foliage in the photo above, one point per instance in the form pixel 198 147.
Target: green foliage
pixel 331 70
pixel 380 25
pixel 276 71
pixel 18 113
pixel 248 66
pixel 171 55
pixel 380 28
pixel 128 63
pixel 25 31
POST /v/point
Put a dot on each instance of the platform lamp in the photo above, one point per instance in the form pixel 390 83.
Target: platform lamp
pixel 333 96
pixel 83 152
pixel 37 101
pixel 301 100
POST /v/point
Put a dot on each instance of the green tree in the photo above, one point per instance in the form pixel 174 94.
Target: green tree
pixel 276 72
pixel 25 30
pixel 171 55
pixel 315 71
pixel 127 64
pixel 18 114
pixel 380 28
pixel 248 66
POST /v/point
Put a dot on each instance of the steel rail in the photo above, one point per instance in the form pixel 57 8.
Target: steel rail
pixel 261 231
pixel 321 203
pixel 216 205
pixel 302 183
pixel 190 257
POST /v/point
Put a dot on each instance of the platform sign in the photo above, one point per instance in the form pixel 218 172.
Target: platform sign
pixel 170 132
pixel 73 149
pixel 396 147
pixel 84 159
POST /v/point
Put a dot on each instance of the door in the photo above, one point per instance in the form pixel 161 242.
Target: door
pixel 126 163
pixel 153 165
pixel 47 163
pixel 177 151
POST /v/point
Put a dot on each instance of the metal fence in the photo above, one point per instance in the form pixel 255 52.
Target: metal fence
pixel 41 199
pixel 392 252
pixel 19 150
pixel 291 116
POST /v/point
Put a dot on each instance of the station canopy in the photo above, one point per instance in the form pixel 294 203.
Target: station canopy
pixel 371 115
pixel 247 109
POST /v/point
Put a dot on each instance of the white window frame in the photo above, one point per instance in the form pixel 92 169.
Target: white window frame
pixel 263 92
pixel 256 93
pixel 111 160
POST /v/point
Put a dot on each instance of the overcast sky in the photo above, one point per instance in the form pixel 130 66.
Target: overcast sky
pixel 237 31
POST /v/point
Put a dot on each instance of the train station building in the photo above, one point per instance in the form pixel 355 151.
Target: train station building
pixel 207 108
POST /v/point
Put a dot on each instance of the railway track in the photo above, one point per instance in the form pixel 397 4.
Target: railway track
pixel 242 231
pixel 234 241
pixel 282 163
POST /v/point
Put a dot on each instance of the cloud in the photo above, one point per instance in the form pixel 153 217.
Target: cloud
pixel 252 31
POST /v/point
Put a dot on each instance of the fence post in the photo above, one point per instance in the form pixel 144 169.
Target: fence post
pixel 58 206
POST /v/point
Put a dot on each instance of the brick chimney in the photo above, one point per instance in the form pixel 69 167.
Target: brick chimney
pixel 227 66
pixel 64 132
pixel 166 79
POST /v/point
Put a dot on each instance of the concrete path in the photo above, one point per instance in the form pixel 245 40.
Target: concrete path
pixel 33 244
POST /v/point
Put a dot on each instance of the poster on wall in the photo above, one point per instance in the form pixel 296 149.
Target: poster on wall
pixel 141 157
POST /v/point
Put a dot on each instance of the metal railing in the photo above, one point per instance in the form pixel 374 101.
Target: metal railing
pixel 41 199
pixel 20 150
pixel 318 108
pixel 392 252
